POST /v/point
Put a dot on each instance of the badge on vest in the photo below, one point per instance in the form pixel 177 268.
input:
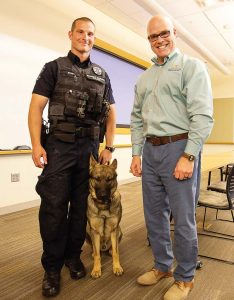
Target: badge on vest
pixel 97 70
pixel 95 78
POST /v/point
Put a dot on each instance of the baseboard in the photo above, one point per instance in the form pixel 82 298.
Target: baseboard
pixel 126 181
pixel 20 206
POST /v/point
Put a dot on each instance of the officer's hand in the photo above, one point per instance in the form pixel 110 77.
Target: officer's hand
pixel 105 157
pixel 135 167
pixel 39 156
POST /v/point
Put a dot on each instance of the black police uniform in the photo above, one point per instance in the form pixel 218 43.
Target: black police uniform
pixel 64 183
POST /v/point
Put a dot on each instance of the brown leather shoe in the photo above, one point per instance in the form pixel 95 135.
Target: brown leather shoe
pixel 152 277
pixel 51 284
pixel 179 290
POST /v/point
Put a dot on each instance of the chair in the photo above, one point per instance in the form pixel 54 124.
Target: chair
pixel 218 201
pixel 219 186
pixel 227 171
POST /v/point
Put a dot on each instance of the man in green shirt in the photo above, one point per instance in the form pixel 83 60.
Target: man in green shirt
pixel 171 119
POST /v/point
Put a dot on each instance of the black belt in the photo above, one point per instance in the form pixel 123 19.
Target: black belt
pixel 67 132
pixel 162 140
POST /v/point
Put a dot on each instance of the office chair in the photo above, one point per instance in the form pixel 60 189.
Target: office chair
pixel 218 201
pixel 227 171
pixel 218 186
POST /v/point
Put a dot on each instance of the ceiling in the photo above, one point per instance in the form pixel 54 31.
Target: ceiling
pixel 205 27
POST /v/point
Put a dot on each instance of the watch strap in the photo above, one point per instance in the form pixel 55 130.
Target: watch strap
pixel 190 157
pixel 111 149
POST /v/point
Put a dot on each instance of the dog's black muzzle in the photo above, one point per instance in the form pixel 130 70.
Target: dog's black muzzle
pixel 105 200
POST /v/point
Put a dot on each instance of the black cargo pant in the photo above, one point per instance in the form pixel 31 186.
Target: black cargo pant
pixel 63 187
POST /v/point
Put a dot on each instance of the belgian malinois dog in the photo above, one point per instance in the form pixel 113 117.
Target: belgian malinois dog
pixel 104 214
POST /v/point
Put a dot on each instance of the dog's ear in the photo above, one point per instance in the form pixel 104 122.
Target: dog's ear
pixel 92 162
pixel 114 164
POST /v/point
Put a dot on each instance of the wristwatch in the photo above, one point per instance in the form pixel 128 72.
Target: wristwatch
pixel 190 157
pixel 111 149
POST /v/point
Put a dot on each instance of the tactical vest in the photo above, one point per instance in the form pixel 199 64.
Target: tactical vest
pixel 78 93
pixel 78 97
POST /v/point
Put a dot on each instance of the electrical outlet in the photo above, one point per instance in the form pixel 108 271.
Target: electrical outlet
pixel 15 177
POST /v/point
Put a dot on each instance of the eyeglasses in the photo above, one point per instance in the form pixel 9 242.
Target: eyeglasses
pixel 164 34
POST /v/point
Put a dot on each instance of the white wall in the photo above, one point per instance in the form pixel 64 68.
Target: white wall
pixel 15 196
pixel 21 63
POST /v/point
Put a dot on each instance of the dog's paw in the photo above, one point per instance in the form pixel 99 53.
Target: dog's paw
pixel 96 273
pixel 118 271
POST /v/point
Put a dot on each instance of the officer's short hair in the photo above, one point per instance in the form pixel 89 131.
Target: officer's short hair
pixel 81 19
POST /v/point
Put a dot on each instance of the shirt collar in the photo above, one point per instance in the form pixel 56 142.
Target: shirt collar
pixel 76 60
pixel 172 54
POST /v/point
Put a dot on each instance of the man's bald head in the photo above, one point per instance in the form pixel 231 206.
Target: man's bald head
pixel 162 36
pixel 160 19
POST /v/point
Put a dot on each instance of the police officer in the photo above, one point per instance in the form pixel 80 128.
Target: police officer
pixel 80 101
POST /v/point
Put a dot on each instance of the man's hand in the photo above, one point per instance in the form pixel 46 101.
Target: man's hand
pixel 39 156
pixel 105 157
pixel 36 108
pixel 184 169
pixel 135 167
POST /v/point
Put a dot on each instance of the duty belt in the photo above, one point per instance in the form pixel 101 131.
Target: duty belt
pixel 162 140
pixel 68 132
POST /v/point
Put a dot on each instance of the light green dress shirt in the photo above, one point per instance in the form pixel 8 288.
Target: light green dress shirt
pixel 173 98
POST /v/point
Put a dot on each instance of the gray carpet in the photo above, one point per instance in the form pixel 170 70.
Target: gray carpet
pixel 21 272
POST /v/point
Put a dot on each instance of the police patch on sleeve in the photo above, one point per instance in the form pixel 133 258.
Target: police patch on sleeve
pixel 97 70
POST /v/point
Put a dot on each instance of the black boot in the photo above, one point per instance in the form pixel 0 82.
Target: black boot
pixel 76 268
pixel 51 284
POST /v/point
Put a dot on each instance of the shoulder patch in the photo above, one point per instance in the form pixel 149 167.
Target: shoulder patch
pixel 97 70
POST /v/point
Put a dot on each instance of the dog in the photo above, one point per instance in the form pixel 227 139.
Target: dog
pixel 104 213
